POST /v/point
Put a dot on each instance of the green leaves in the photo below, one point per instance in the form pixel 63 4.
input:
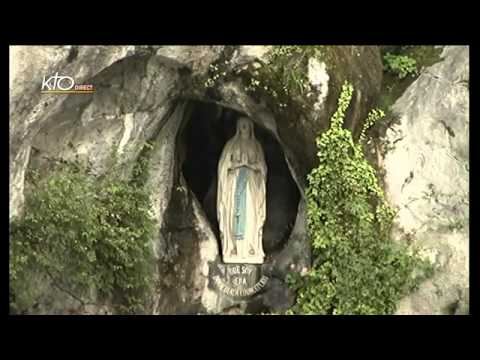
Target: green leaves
pixel 373 116
pixel 400 65
pixel 356 269
pixel 85 233
pixel 339 115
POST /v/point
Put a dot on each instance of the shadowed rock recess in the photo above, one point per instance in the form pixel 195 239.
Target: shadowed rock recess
pixel 204 135
pixel 159 95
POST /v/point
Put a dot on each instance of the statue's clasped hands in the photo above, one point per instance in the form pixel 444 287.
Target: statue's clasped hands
pixel 243 163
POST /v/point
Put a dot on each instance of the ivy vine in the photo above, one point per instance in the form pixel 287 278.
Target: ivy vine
pixel 357 269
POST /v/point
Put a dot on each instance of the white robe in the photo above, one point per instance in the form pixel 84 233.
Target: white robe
pixel 255 201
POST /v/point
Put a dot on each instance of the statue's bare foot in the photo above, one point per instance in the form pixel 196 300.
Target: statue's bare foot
pixel 233 252
pixel 251 251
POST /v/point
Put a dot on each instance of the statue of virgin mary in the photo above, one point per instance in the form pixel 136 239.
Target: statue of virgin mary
pixel 241 204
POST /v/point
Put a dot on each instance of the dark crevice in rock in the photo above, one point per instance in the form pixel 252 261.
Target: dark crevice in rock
pixel 180 259
pixel 448 128
pixel 256 306
pixel 278 296
pixel 453 307
pixel 73 54
pixel 202 138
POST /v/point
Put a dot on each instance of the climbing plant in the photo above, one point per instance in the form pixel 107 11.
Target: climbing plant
pixel 82 233
pixel 356 268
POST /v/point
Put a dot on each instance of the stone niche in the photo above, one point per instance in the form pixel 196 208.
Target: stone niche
pixel 204 132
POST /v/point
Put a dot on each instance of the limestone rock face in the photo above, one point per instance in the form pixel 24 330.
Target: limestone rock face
pixel 29 110
pixel 143 94
pixel 427 178
pixel 196 58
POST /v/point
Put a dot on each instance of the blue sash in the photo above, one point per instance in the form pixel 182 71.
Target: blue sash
pixel 240 206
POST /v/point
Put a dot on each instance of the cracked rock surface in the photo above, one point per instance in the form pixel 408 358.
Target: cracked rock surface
pixel 427 179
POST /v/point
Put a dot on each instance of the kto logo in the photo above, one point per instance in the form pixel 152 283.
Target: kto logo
pixel 64 85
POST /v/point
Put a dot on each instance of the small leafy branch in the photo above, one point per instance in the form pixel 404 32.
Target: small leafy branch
pixel 217 72
pixel 372 118
pixel 356 267
pixel 400 65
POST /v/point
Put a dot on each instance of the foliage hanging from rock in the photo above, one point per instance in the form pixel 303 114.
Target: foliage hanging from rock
pixel 356 268
pixel 89 237
pixel 401 65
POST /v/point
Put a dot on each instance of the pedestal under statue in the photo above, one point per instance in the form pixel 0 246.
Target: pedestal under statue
pixel 241 204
